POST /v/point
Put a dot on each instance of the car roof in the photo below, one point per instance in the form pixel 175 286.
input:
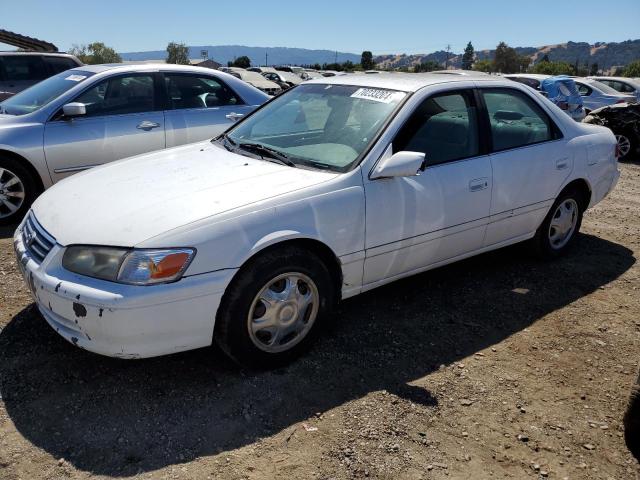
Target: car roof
pixel 535 76
pixel 142 67
pixel 407 82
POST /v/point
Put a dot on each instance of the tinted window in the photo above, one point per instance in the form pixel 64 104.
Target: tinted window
pixel 516 120
pixel 443 127
pixel 59 64
pixel 189 91
pixel 19 68
pixel 120 95
pixel 583 90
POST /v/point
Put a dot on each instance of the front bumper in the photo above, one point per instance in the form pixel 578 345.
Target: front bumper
pixel 125 321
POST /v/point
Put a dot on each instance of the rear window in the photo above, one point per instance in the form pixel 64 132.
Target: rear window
pixel 21 68
pixel 59 64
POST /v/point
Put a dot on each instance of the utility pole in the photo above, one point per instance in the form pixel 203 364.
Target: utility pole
pixel 266 59
pixel 336 60
pixel 446 63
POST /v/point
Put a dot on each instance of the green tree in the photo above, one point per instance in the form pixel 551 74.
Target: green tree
pixel 483 66
pixel 553 68
pixel 95 53
pixel 467 57
pixel 506 59
pixel 366 60
pixel 523 62
pixel 594 69
pixel 545 58
pixel 428 66
pixel 632 70
pixel 242 62
pixel 178 53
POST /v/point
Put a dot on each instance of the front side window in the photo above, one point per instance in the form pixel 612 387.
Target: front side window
pixel 190 91
pixel 515 119
pixel 119 96
pixel 43 93
pixel 325 126
pixel 443 127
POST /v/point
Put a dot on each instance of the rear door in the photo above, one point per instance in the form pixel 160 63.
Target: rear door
pixel 124 118
pixel 199 107
pixel 529 160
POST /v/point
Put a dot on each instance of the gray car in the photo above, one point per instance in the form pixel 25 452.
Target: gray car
pixel 596 95
pixel 92 115
pixel 628 86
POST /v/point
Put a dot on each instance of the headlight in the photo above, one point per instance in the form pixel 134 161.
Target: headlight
pixel 137 267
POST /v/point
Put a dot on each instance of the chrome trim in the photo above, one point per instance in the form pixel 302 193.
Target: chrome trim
pixel 74 169
pixel 37 241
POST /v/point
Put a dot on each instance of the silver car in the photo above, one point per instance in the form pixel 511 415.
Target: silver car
pixel 628 86
pixel 91 115
pixel 596 95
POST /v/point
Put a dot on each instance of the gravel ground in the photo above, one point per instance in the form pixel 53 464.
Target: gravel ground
pixel 500 366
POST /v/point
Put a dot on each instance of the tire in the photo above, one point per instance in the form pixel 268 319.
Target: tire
pixel 627 145
pixel 15 198
pixel 631 421
pixel 549 241
pixel 264 320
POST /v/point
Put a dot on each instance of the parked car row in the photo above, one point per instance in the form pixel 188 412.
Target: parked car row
pixel 329 190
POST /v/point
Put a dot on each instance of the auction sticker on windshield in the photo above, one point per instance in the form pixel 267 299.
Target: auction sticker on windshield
pixel 377 95
pixel 75 78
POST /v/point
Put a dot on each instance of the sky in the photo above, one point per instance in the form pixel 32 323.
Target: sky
pixel 397 26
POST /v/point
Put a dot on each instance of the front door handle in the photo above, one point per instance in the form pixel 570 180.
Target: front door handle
pixel 147 125
pixel 234 116
pixel 562 163
pixel 478 184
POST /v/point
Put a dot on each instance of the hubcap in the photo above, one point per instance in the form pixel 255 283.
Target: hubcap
pixel 11 193
pixel 624 145
pixel 563 223
pixel 283 312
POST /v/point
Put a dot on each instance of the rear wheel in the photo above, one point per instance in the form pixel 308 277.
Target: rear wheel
pixel 627 145
pixel 273 308
pixel 17 191
pixel 560 227
pixel 632 421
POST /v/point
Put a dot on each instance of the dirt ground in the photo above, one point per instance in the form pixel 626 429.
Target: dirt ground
pixel 500 366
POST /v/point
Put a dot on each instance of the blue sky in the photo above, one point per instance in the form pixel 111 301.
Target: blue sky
pixel 397 26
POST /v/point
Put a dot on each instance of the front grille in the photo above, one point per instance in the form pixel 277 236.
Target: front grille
pixel 36 239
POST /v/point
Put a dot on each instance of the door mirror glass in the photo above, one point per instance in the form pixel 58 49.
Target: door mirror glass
pixel 400 164
pixel 75 109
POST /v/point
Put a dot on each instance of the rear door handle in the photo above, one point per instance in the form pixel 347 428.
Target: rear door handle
pixel 478 184
pixel 234 116
pixel 562 163
pixel 147 125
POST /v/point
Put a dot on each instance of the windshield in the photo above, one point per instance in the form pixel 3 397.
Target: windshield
pixel 326 126
pixel 42 93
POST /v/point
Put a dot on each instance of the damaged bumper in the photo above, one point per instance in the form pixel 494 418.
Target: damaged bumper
pixel 125 321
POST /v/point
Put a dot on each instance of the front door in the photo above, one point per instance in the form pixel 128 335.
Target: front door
pixel 416 222
pixel 122 120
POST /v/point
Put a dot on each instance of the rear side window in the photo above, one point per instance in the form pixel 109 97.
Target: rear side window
pixel 584 90
pixel 443 127
pixel 516 120
pixel 59 64
pixel 119 96
pixel 19 68
pixel 191 91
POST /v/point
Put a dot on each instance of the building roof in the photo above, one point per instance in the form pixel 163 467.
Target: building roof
pixel 27 43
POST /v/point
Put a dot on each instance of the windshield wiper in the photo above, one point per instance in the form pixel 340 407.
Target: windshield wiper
pixel 272 153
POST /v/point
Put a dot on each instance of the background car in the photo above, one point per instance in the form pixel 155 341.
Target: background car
pixel 20 70
pixel 596 95
pixel 285 79
pixel 255 79
pixel 623 119
pixel 91 115
pixel 561 90
pixel 628 86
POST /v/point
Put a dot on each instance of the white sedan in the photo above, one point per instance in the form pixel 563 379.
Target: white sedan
pixel 334 188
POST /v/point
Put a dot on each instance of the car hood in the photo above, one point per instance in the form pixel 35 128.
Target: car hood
pixel 126 202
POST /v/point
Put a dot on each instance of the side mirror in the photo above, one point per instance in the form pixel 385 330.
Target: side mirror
pixel 400 164
pixel 75 109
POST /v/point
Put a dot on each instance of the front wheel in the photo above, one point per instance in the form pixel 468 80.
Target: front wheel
pixel 273 308
pixel 560 227
pixel 17 191
pixel 626 145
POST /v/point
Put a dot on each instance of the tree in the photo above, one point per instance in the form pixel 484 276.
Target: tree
pixel 242 62
pixel 545 58
pixel 95 53
pixel 632 70
pixel 467 57
pixel 366 60
pixel 178 53
pixel 428 66
pixel 553 68
pixel 523 62
pixel 594 69
pixel 506 59
pixel 483 66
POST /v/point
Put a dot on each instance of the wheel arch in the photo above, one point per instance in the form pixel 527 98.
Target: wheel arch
pixel 583 186
pixel 27 164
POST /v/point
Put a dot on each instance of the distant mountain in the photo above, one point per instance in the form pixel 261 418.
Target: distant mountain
pixel 276 55
pixel 606 55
